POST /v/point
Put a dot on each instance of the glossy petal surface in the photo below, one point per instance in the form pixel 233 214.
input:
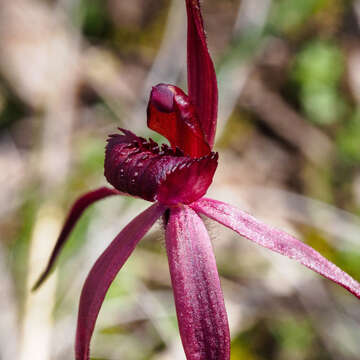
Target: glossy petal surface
pixel 103 273
pixel 275 240
pixel 171 115
pixel 76 211
pixel 140 168
pixel 199 301
pixel 202 85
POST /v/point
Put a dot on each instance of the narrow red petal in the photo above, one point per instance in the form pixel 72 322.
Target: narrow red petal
pixel 275 240
pixel 103 273
pixel 199 301
pixel 202 84
pixel 140 168
pixel 171 115
pixel 76 211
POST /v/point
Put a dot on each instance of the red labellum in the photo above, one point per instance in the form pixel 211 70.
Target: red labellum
pixel 188 181
pixel 140 168
pixel 171 114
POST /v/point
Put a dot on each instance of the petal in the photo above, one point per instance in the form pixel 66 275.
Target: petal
pixel 199 301
pixel 138 167
pixel 76 211
pixel 202 85
pixel 103 273
pixel 275 240
pixel 171 115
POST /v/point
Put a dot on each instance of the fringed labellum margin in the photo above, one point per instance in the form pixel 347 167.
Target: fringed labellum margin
pixel 140 168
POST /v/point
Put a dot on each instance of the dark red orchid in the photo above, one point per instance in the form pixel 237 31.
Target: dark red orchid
pixel 175 178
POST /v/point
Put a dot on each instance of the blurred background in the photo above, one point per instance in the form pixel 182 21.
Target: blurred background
pixel 72 71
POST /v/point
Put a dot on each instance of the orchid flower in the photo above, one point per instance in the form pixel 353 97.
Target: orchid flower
pixel 175 179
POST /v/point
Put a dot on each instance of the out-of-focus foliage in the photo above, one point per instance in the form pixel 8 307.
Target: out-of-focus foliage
pixel 288 16
pixel 348 139
pixel 317 71
pixel 289 131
